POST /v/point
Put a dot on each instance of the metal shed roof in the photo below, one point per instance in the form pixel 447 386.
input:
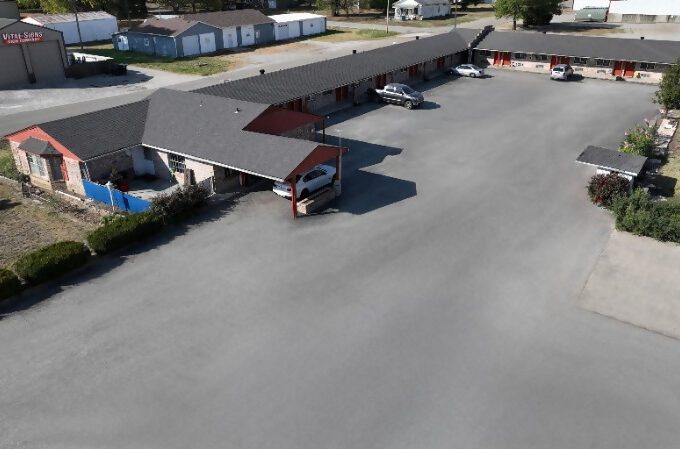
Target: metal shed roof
pixel 43 19
pixel 297 82
pixel 637 50
pixel 295 16
pixel 629 164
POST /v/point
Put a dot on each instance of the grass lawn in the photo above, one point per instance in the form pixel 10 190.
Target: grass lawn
pixel 200 65
pixel 340 34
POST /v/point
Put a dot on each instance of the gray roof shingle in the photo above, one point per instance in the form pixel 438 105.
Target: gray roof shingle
pixel 208 128
pixel 100 132
pixel 163 27
pixel 629 164
pixel 38 146
pixel 297 82
pixel 655 51
pixel 224 19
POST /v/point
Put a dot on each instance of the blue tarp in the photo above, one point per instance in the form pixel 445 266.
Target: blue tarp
pixel 121 200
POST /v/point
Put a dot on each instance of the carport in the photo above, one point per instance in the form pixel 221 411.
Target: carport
pixel 234 135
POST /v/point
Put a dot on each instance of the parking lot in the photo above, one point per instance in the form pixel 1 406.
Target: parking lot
pixel 433 307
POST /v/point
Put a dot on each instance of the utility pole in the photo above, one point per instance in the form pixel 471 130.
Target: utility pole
pixel 455 16
pixel 75 11
pixel 387 18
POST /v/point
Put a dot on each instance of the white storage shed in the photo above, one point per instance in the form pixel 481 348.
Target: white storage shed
pixel 94 26
pixel 290 26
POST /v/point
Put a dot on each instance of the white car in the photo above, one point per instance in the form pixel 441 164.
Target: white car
pixel 311 181
pixel 470 70
pixel 561 72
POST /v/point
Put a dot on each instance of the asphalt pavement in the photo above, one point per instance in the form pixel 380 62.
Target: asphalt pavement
pixel 433 307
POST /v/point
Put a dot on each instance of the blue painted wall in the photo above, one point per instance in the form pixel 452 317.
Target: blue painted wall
pixel 122 201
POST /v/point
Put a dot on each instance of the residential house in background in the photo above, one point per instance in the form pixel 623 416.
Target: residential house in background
pixel 421 9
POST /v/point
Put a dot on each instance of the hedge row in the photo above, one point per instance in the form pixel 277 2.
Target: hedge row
pixel 51 261
pixel 640 215
pixel 122 231
pixel 10 284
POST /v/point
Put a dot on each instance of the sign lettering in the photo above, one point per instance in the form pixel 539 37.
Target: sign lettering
pixel 22 38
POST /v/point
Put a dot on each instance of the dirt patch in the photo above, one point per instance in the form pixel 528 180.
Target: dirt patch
pixel 27 224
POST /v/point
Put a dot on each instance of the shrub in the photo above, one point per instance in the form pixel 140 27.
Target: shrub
pixel 8 168
pixel 669 88
pixel 178 204
pixel 51 261
pixel 10 284
pixel 603 189
pixel 120 231
pixel 642 216
pixel 639 140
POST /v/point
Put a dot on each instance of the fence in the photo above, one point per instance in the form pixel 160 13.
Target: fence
pixel 122 201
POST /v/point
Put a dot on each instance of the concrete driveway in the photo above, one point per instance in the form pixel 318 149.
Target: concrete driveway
pixel 435 309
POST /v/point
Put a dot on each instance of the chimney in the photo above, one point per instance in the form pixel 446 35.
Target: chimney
pixel 642 38
pixel 261 71
pixel 237 110
pixel 354 52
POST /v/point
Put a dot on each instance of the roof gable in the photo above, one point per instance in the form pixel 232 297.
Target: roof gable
pixel 224 19
pixel 164 27
pixel 211 129
pixel 38 146
pixel 100 132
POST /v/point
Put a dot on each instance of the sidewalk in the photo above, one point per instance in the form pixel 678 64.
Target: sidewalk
pixel 636 281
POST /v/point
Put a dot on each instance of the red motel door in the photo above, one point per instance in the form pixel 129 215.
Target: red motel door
pixel 618 68
pixel 502 58
pixel 629 70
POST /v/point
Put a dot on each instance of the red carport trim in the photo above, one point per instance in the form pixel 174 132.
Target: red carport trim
pixel 319 155
pixel 38 133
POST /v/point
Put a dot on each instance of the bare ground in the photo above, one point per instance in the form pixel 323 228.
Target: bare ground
pixel 28 224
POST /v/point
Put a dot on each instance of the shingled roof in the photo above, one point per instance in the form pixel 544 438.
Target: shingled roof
pixel 101 132
pixel 629 164
pixel 224 19
pixel 211 129
pixel 164 27
pixel 647 50
pixel 297 82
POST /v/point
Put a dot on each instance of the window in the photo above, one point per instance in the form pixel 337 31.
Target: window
pixel 146 41
pixel 176 163
pixel 581 61
pixel 520 55
pixel 257 34
pixel 35 165
pixel 602 62
pixel 148 154
pixel 646 66
pixel 541 57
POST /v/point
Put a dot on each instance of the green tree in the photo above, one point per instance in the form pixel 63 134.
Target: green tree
pixel 64 6
pixel 532 12
pixel 540 12
pixel 510 8
pixel 668 94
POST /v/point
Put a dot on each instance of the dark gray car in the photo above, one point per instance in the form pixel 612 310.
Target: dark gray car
pixel 400 94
